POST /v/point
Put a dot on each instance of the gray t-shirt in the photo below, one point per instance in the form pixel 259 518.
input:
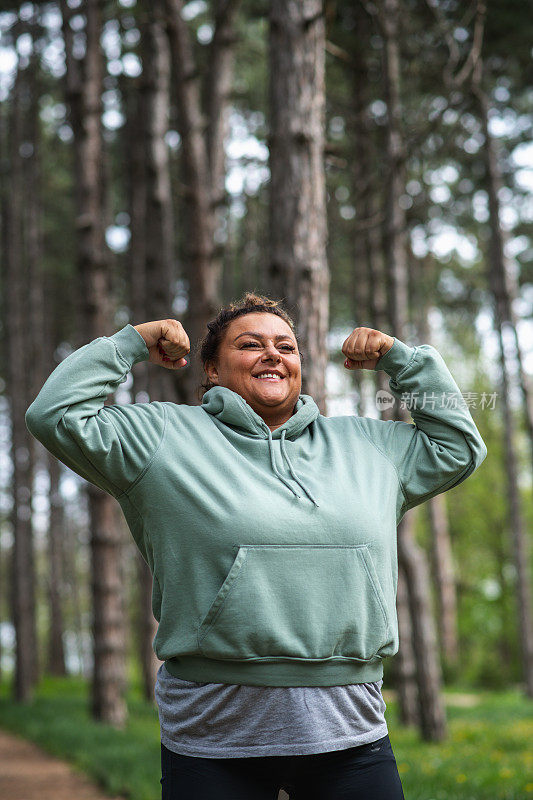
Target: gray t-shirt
pixel 218 720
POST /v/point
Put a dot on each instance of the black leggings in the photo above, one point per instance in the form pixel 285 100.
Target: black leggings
pixel 367 772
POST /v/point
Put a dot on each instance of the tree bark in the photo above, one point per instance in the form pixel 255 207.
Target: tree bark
pixel 431 712
pixel 367 209
pixel 442 566
pixel 159 223
pixel 18 362
pixel 147 628
pixel 218 100
pixel 388 12
pixel 33 250
pixel 444 581
pixel 298 268
pixel 202 269
pixel 504 288
pixel 85 100
pixel 56 653
pixel 150 263
pixel 412 562
pixel 159 247
pixel 505 322
pixel 45 289
pixel 219 90
pixel 72 580
pixel 370 309
pixel 404 664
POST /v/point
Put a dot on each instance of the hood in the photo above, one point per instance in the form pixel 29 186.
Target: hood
pixel 232 409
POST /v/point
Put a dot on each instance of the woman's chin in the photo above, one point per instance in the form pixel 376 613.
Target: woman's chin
pixel 272 399
pixel 270 395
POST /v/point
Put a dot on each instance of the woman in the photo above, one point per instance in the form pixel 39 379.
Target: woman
pixel 270 531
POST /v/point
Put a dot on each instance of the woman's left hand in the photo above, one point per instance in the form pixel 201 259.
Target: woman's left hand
pixel 364 347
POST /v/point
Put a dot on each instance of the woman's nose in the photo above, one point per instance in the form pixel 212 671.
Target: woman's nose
pixel 271 353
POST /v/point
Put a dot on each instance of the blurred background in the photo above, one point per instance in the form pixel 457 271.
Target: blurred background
pixel 368 162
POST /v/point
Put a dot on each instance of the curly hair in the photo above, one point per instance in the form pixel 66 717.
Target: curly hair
pixel 250 303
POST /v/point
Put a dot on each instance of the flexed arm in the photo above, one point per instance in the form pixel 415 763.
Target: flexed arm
pixel 110 446
pixel 443 446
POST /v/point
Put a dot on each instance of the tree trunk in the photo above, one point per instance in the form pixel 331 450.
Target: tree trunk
pixel 202 269
pixel 147 629
pixel 56 654
pixel 372 309
pixel 298 228
pixel 431 712
pixel 72 589
pixel 219 89
pixel 18 363
pixel 444 580
pixel 136 159
pixel 395 224
pixel 159 223
pixel 411 559
pixel 57 590
pixel 442 566
pixel 502 281
pixel 85 99
pixel 159 247
pixel 33 251
pixel 504 321
pixel 151 259
pixel 135 174
pixel 404 664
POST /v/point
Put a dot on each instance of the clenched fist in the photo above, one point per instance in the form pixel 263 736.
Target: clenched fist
pixel 166 341
pixel 364 346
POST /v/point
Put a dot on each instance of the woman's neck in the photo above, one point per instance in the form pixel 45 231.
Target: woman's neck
pixel 273 422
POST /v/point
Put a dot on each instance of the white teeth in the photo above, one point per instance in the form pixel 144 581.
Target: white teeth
pixel 269 375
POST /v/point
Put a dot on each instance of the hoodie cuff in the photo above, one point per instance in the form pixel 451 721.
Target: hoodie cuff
pixel 396 358
pixel 130 345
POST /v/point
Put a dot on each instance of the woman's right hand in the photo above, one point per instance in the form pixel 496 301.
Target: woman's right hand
pixel 166 341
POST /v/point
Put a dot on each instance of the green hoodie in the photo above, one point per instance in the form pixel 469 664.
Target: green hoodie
pixel 273 554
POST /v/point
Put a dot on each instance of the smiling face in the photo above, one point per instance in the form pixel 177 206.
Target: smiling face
pixel 258 344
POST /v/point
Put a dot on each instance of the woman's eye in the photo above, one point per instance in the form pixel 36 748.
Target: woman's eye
pixel 288 347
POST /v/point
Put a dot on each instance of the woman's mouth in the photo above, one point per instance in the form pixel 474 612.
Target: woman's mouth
pixel 268 376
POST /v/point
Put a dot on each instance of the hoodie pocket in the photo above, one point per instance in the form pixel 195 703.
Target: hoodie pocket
pixel 310 602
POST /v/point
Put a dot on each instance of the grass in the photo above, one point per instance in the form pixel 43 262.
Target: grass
pixel 487 756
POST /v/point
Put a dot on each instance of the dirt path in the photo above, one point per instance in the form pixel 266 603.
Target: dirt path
pixel 28 773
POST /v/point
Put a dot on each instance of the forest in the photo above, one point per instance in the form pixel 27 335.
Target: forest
pixel 369 163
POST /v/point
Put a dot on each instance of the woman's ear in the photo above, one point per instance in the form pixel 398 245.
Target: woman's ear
pixel 210 369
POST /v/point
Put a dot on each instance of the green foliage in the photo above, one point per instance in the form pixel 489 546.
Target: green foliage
pixel 486 756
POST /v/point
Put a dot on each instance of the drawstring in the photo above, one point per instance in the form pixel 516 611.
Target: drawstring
pixel 291 470
pixel 275 469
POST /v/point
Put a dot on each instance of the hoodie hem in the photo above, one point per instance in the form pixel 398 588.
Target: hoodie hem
pixel 280 673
